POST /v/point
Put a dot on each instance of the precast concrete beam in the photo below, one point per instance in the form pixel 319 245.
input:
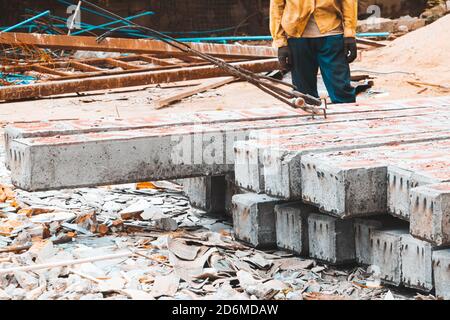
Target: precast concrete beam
pixel 206 193
pixel 416 261
pixel 277 141
pixel 354 183
pixel 386 254
pixel 331 240
pixel 282 156
pixel 292 227
pixel 441 271
pixel 430 213
pixel 254 219
pixel 402 178
pixel 277 117
pixel 363 230
pixel 124 156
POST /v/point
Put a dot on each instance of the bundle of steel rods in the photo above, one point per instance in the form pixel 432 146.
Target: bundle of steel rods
pixel 271 86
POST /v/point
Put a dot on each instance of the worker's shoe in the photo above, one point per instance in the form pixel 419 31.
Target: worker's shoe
pixel 360 88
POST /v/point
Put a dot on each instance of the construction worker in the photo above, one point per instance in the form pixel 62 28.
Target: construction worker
pixel 313 34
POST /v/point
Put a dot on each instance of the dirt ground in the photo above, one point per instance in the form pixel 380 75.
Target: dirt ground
pixel 140 101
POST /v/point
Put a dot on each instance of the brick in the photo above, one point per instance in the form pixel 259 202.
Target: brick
pixel 430 213
pixel 330 239
pixel 386 254
pixel 254 219
pixel 441 271
pixel 416 261
pixel 292 227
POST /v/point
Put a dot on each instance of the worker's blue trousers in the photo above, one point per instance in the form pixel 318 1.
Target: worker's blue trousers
pixel 326 53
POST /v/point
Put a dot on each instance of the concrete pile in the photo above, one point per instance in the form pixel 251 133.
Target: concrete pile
pixel 323 188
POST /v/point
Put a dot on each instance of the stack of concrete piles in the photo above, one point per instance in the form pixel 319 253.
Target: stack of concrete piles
pixel 374 192
pixel 324 188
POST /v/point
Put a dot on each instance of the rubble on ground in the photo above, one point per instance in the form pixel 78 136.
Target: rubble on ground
pixel 198 260
pixel 399 26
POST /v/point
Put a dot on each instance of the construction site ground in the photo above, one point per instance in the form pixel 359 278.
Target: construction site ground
pixel 140 101
pixel 318 281
pixel 148 275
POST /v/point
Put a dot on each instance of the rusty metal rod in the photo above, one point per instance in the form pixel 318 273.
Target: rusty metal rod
pixel 252 78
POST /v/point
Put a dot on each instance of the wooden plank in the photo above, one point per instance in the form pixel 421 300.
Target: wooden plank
pixel 43 89
pixel 131 45
pixel 215 83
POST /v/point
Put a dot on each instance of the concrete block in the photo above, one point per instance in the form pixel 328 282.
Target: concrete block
pixel 344 192
pixel 254 219
pixel 386 254
pixel 292 227
pixel 206 193
pixel 354 183
pixel 399 184
pixel 430 213
pixel 416 261
pixel 133 155
pixel 282 163
pixel 330 239
pixel 411 175
pixel 69 127
pixel 230 191
pixel 363 231
pixel 248 166
pixel 128 156
pixel 121 157
pixel 334 135
pixel 441 271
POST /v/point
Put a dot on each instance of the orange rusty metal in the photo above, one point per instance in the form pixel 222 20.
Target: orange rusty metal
pixel 127 80
pixel 130 45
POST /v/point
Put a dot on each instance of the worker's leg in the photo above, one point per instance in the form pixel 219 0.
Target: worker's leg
pixel 335 69
pixel 305 66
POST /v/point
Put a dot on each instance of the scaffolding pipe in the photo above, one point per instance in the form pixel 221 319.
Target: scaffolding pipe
pixel 27 21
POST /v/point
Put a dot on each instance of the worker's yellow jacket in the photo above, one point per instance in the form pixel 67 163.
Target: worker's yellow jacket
pixel 288 18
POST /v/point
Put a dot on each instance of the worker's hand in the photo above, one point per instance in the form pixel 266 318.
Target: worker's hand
pixel 285 58
pixel 350 49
